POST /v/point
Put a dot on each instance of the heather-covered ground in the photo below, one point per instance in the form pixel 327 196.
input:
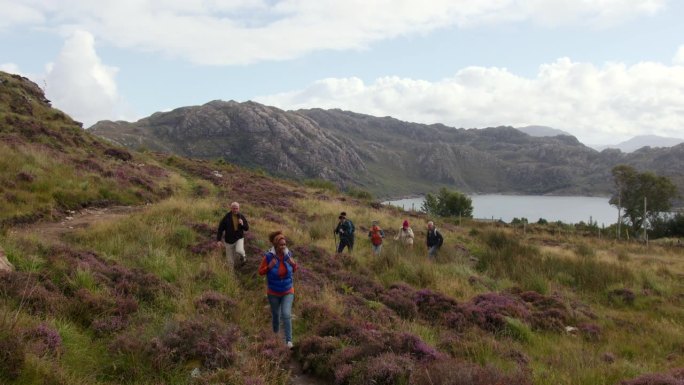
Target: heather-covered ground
pixel 145 298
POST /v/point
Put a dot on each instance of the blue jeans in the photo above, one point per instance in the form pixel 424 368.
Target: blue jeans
pixel 281 307
pixel 432 252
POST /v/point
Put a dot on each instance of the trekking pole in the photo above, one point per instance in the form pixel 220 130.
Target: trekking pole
pixel 334 242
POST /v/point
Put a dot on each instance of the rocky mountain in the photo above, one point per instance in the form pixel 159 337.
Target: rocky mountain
pixel 249 134
pixel 542 131
pixel 386 156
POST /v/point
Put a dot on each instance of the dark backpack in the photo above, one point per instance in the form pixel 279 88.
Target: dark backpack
pixel 351 226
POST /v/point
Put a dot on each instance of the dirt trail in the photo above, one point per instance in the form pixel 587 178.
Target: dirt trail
pixel 52 231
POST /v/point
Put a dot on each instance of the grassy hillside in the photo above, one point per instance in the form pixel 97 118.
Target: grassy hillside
pixel 146 299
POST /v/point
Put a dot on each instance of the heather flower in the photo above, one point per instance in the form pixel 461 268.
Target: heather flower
pixel 399 298
pixel 212 300
pixel 203 247
pixel 433 305
pixel 453 372
pixel 107 325
pixel 676 377
pixel 343 373
pixel 11 355
pixel 387 369
pixel 45 339
pixel 202 339
pixel 489 311
pixel 591 332
pixel 410 345
pixel 627 296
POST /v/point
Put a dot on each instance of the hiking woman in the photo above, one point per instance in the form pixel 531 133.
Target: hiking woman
pixel 278 267
pixel 376 235
pixel 405 235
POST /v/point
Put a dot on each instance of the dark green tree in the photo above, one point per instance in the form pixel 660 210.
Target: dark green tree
pixel 448 203
pixel 631 187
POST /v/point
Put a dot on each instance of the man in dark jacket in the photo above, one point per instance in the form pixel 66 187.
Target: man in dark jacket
pixel 345 228
pixel 434 240
pixel 231 233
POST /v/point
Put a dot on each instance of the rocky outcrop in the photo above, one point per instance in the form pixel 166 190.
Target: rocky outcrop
pixel 247 134
pixel 5 264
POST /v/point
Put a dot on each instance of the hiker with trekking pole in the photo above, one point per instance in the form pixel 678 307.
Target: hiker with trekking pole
pixel 345 228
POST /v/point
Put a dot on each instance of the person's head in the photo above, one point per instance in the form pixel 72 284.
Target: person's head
pixel 374 223
pixel 343 213
pixel 431 225
pixel 341 218
pixel 405 225
pixel 234 207
pixel 278 240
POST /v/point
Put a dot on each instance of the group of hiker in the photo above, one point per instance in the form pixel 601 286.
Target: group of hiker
pixel 278 265
pixel 376 235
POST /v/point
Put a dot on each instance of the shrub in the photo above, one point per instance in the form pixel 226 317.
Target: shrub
pixel 452 372
pixel 399 298
pixel 11 355
pixel 385 369
pixel 45 339
pixel 490 311
pixel 203 339
pixel 676 377
pixel 213 300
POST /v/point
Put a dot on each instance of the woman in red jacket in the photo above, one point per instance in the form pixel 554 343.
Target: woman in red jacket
pixel 278 267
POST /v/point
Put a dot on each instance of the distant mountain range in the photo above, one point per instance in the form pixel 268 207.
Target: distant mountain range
pixel 542 131
pixel 386 156
pixel 638 142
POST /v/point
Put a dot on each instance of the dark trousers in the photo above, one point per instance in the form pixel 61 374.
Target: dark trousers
pixel 345 242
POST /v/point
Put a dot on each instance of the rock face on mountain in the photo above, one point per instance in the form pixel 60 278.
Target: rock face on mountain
pixel 387 156
pixel 248 134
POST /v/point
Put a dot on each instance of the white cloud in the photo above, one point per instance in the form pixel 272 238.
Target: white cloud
pixel 21 12
pixel 596 104
pixel 679 56
pixel 10 68
pixel 81 85
pixel 246 31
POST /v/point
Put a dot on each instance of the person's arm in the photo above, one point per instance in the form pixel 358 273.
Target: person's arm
pixel 245 225
pixel 410 233
pixel 382 234
pixel 264 267
pixel 221 229
pixel 292 262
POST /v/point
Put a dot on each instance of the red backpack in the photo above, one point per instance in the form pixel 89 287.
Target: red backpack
pixel 376 237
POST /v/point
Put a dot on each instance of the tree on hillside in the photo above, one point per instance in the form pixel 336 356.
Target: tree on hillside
pixel 448 203
pixel 632 187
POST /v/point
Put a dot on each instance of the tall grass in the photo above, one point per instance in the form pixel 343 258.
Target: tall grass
pixel 507 257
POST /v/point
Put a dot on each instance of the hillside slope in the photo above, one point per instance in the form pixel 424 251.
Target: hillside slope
pixel 146 297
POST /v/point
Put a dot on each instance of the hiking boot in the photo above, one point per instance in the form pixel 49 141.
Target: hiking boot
pixel 290 345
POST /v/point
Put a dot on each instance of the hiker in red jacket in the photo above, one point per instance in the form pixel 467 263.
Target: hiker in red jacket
pixel 376 236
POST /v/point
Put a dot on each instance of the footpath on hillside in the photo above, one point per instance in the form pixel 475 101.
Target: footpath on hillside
pixel 52 232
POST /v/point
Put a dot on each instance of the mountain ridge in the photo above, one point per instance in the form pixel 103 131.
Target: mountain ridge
pixel 385 155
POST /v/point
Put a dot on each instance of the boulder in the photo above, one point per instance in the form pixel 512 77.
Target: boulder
pixel 5 265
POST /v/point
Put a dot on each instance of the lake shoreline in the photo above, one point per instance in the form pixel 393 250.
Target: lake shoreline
pixel 550 208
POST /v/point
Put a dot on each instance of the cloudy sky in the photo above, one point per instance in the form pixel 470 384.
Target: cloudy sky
pixel 603 70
